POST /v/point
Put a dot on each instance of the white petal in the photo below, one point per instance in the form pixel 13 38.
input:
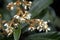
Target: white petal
pixel 45 26
pixel 15 24
pixel 41 26
pixel 16 16
pixel 26 11
pixel 45 22
pixel 6 24
pixel 49 29
pixel 22 19
pixel 25 7
pixel 40 30
pixel 33 28
pixel 28 16
pixel 30 2
pixel 12 8
pixel 38 19
pixel 29 28
pixel 15 3
pixel 10 32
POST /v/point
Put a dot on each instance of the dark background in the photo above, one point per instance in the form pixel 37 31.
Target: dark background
pixel 55 6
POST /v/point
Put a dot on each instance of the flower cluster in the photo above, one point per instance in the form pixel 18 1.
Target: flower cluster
pixel 38 24
pixel 23 16
pixel 24 3
pixel 20 16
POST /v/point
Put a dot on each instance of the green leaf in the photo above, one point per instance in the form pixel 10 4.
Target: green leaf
pixel 38 6
pixel 42 14
pixel 44 36
pixel 50 15
pixel 17 33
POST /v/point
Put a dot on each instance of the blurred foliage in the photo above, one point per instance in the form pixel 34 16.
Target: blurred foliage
pixel 39 9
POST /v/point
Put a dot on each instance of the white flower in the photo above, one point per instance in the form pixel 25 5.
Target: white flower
pixel 46 26
pixel 12 8
pixel 16 24
pixel 31 28
pixel 9 30
pixel 30 2
pixel 45 22
pixel 10 3
pixel 40 30
pixel 15 3
pixel 21 19
pixel 6 24
pixel 25 7
pixel 16 16
pixel 28 16
pixel 48 29
pixel 37 19
pixel 26 11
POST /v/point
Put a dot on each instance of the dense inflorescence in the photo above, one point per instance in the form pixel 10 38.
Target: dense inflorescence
pixel 22 16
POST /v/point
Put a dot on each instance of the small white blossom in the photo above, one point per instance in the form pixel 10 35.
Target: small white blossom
pixel 37 19
pixel 22 19
pixel 30 2
pixel 26 11
pixel 28 16
pixel 16 16
pixel 40 30
pixel 12 8
pixel 25 7
pixel 9 30
pixel 6 24
pixel 45 22
pixel 15 3
pixel 16 24
pixel 31 28
pixel 48 29
pixel 45 26
pixel 41 26
pixel 10 3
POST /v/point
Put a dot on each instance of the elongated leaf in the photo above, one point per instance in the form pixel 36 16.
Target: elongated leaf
pixel 17 33
pixel 50 15
pixel 38 6
pixel 44 36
